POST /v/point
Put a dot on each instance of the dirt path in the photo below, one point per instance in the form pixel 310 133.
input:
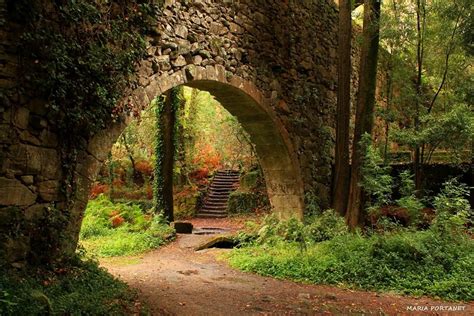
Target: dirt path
pixel 176 280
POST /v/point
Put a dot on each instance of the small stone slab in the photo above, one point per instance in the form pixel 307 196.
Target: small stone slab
pixel 183 227
pixel 216 240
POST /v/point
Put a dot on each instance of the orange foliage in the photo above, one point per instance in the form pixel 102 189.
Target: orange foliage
pixel 97 189
pixel 144 167
pixel 208 157
pixel 117 221
pixel 118 183
pixel 149 192
pixel 114 213
pixel 199 174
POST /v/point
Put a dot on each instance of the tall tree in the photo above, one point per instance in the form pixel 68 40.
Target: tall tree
pixel 365 107
pixel 342 168
pixel 165 152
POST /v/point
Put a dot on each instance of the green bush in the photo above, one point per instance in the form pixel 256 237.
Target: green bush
pixel 118 229
pixel 326 226
pixel 243 202
pixel 438 261
pixel 78 288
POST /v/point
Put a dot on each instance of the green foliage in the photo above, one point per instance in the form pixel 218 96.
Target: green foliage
pixel 325 226
pixel 117 229
pixel 80 56
pixel 158 186
pixel 435 116
pixel 376 179
pixel 408 262
pixel 408 199
pixel 78 288
pixel 452 207
pixel 244 202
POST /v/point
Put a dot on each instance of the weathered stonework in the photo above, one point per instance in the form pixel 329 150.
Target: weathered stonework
pixel 270 63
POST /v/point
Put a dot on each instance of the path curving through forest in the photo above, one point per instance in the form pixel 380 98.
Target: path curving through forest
pixel 177 280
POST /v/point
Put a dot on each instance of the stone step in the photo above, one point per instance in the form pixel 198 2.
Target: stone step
pixel 223 189
pixel 216 203
pixel 214 206
pixel 214 212
pixel 222 185
pixel 224 182
pixel 220 197
pixel 205 215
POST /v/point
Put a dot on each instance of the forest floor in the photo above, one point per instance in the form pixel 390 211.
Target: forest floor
pixel 177 280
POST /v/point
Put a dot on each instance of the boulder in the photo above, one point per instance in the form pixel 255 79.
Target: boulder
pixel 183 227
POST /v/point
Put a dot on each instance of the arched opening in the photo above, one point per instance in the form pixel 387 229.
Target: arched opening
pixel 280 169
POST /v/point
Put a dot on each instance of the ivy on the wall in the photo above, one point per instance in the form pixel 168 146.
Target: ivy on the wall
pixel 80 57
pixel 158 200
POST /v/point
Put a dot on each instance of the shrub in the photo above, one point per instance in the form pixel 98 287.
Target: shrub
pixel 77 288
pixel 116 229
pixel 98 189
pixel 326 226
pixel 242 202
pixel 438 261
pixel 408 262
pixel 453 211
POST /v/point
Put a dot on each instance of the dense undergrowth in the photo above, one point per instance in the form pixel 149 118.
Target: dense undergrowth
pixel 77 288
pixel 117 229
pixel 436 261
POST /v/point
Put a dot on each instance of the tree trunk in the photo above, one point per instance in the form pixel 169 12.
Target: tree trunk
pixel 137 177
pixel 165 149
pixel 342 168
pixel 420 27
pixel 365 108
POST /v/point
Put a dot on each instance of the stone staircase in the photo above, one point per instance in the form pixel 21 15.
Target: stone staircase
pixel 215 202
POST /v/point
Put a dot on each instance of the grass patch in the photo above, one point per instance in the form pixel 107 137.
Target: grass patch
pixel 78 288
pixel 120 229
pixel 434 262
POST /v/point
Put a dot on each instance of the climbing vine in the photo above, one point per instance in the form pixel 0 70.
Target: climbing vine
pixel 160 200
pixel 80 56
pixel 157 172
pixel 79 59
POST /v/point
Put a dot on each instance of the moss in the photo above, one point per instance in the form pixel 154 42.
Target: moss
pixel 242 202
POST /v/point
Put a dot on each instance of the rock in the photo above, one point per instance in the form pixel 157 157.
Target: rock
pixel 21 117
pixel 13 192
pixel 27 180
pixel 35 212
pixel 179 62
pixel 181 31
pixel 235 29
pixel 6 134
pixel 218 241
pixel 183 227
pixel 49 190
pixel 33 160
pixel 197 60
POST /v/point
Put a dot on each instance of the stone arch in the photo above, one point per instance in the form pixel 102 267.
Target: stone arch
pixel 271 63
pixel 273 146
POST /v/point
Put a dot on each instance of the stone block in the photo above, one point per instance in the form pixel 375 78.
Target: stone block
pixel 49 190
pixel 34 160
pixel 13 192
pixel 21 117
pixel 183 227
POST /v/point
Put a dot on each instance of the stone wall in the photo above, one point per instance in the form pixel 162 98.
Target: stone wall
pixel 271 63
pixel 286 49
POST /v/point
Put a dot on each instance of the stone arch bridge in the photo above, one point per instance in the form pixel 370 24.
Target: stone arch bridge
pixel 271 63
